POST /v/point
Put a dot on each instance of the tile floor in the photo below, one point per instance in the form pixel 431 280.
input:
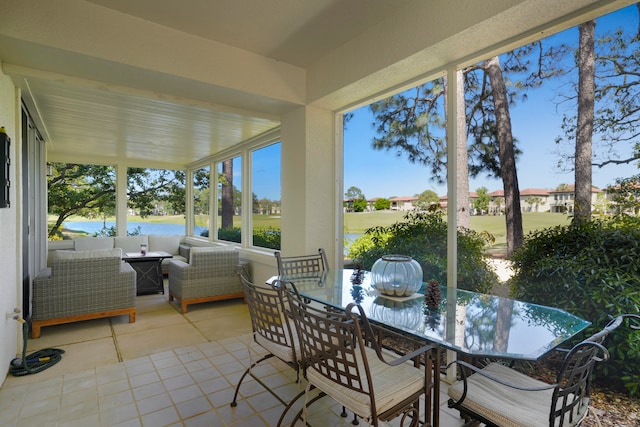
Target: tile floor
pixel 166 369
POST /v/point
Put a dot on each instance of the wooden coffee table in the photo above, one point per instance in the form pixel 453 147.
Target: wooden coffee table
pixel 148 270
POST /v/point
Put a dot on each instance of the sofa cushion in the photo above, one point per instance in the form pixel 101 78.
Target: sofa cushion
pixel 98 253
pixel 200 249
pixel 91 243
pixel 169 244
pixel 131 243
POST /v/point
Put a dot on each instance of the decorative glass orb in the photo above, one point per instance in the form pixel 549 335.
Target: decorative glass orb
pixel 396 275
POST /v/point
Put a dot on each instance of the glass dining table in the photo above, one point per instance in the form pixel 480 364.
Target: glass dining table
pixel 469 323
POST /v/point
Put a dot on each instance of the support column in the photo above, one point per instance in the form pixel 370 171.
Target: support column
pixel 309 175
pixel 121 199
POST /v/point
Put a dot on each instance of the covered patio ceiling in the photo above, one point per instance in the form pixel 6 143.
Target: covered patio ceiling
pixel 160 83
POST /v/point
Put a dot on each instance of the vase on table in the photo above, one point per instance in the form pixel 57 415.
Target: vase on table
pixel 396 275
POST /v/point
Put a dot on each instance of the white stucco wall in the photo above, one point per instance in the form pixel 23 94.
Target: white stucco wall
pixel 309 168
pixel 9 224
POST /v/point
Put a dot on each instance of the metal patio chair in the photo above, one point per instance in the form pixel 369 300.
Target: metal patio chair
pixel 343 361
pixel 272 330
pixel 497 395
pixel 302 263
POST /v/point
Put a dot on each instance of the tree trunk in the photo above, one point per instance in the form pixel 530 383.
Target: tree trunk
pixel 462 156
pixel 227 194
pixel 584 130
pixel 515 235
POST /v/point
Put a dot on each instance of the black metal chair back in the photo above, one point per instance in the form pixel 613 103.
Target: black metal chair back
pixel 569 394
pixel 301 264
pixel 341 358
pixel 272 329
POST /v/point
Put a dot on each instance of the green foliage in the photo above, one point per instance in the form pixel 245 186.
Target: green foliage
pixel 590 269
pixel 359 205
pixel 354 193
pixel 382 204
pixel 481 203
pixel 626 195
pixel 90 191
pixel 268 237
pixel 423 236
pixel 426 199
pixel 230 234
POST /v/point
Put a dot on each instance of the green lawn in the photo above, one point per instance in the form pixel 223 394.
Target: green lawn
pixel 357 223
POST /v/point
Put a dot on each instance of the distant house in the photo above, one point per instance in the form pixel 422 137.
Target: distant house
pixel 618 199
pixel 562 200
pixel 444 202
pixel 404 203
pixel 531 200
pixel 534 200
pixel 496 204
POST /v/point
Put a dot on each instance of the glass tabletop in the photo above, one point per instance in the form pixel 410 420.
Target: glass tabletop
pixel 466 322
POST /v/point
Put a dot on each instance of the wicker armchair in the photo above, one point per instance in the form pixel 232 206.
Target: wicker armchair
pixel 83 285
pixel 209 276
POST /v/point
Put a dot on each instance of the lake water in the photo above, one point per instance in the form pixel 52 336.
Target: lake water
pixel 93 227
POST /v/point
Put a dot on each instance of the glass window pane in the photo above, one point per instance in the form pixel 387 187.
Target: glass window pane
pixel 201 190
pixel 81 201
pixel 230 199
pixel 156 201
pixel 265 182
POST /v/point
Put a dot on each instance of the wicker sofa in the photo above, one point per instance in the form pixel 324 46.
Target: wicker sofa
pixel 83 285
pixel 210 275
pixel 173 245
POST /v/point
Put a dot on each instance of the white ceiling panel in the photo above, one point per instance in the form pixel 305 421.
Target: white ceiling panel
pixel 118 126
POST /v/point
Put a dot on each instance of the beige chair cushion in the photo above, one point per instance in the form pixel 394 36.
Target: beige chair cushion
pixel 91 243
pixel 131 243
pixel 282 352
pixel 506 406
pixel 391 384
pixel 194 251
pixel 169 244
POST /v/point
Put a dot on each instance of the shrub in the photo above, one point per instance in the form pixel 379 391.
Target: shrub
pixel 231 234
pixel 263 237
pixel 423 236
pixel 590 270
pixel 267 237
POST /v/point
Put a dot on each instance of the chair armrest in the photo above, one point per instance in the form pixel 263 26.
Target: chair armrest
pixel 404 358
pixel 184 249
pixel 177 263
pixel 125 267
pixel 178 269
pixel 44 273
pixel 368 330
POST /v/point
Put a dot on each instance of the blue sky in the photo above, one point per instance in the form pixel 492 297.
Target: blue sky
pixel 535 124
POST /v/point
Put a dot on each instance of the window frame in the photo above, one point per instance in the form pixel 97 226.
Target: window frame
pixel 243 150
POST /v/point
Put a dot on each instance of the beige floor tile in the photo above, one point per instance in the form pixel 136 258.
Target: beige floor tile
pixel 69 333
pixel 77 357
pixel 217 309
pixel 222 327
pixel 146 342
pixel 147 303
pixel 175 369
pixel 160 318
